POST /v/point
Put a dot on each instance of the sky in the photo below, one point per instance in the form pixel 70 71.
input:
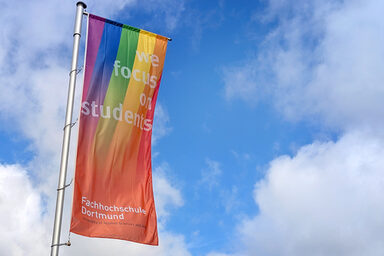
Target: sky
pixel 268 132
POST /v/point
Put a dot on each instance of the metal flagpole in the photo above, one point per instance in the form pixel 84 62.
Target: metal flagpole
pixel 80 6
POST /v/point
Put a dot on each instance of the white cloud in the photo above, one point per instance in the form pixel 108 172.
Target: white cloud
pixel 166 195
pixel 218 254
pixel 323 60
pixel 241 157
pixel 160 123
pixel 23 229
pixel 210 174
pixel 246 81
pixel 100 7
pixel 169 245
pixel 326 200
pixel 230 199
pixel 170 11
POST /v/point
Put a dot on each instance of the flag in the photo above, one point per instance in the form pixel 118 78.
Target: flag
pixel 113 195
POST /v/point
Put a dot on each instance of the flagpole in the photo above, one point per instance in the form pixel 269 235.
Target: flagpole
pixel 80 6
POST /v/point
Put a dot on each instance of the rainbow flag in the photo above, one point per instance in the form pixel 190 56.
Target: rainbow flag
pixel 113 194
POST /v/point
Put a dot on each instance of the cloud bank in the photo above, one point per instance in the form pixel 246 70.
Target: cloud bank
pixel 326 200
pixel 322 62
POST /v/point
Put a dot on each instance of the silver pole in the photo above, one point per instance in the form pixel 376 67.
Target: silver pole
pixel 80 6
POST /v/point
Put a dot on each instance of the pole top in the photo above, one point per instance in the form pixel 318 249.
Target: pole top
pixel 81 3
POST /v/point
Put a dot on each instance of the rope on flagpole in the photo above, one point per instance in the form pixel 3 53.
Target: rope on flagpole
pixel 65 186
pixel 67 244
pixel 71 124
pixel 77 70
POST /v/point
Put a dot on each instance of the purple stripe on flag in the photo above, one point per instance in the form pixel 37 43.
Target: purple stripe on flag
pixel 95 32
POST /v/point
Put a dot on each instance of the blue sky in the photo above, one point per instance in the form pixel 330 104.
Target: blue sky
pixel 268 128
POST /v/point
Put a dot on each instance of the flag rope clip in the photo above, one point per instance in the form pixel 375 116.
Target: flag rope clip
pixel 77 70
pixel 71 124
pixel 65 186
pixel 67 244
